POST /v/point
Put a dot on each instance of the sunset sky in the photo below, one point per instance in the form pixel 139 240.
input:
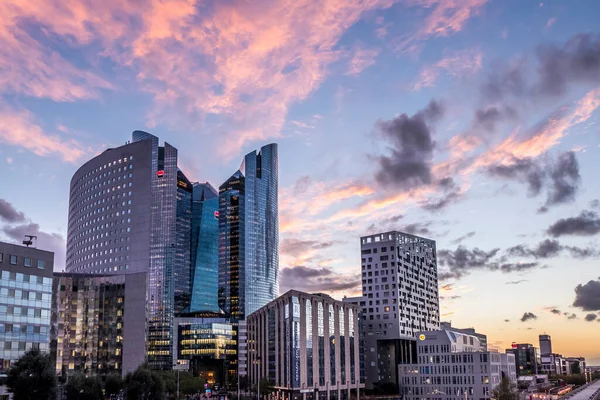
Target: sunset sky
pixel 470 122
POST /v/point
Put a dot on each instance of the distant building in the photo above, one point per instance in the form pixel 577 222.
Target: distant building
pixel 527 358
pixel 453 364
pixel 307 345
pixel 545 345
pixel 98 323
pixel 471 331
pixel 206 345
pixel 25 297
pixel 400 290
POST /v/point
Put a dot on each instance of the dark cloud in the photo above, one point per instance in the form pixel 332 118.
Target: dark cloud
pixel 578 61
pixel 462 260
pixel 515 282
pixel 412 147
pixel 487 118
pixel 296 247
pixel 565 179
pixel 570 316
pixel 587 297
pixel 45 241
pixel 442 202
pixel 555 311
pixel 517 267
pixel 590 317
pixel 313 280
pixel 9 214
pixel 455 297
pixel 585 224
pixel 542 210
pixel 528 316
pixel 521 169
pixel 507 320
pixel 550 248
pixel 595 203
pixel 505 80
pixel 463 237
pixel 417 228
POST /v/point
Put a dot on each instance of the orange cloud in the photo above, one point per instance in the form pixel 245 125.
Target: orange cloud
pixel 18 128
pixel 460 64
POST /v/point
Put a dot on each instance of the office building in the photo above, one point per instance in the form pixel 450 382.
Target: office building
pixel 545 345
pixel 249 240
pixel 25 295
pixel 307 345
pixel 205 249
pixel 98 323
pixel 129 212
pixel 470 331
pixel 452 364
pixel 360 302
pixel 527 358
pixel 206 346
pixel 400 290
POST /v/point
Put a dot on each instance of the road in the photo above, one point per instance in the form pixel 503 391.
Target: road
pixel 586 394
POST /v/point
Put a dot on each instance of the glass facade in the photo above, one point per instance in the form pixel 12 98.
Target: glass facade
pixel 295 342
pixel 205 249
pixel 351 339
pixel 24 314
pixel 182 272
pixel 332 345
pixel 309 343
pixel 321 335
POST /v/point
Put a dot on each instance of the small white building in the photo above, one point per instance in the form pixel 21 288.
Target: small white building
pixel 452 364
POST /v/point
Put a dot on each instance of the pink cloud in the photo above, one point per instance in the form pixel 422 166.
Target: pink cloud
pixel 550 22
pixel 362 59
pixel 460 64
pixel 18 128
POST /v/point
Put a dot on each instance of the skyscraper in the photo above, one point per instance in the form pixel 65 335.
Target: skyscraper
pixel 249 239
pixel 545 345
pixel 123 219
pixel 400 291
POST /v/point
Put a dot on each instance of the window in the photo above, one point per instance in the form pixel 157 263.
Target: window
pixel 27 262
pixel 25 295
pixel 13 260
pixel 1 257
pixel 41 264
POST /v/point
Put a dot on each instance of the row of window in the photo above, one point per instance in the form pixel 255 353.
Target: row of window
pixel 27 261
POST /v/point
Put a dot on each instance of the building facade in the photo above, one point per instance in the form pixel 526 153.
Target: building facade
pixel 249 240
pixel 206 345
pixel 545 345
pixel 307 345
pixel 98 323
pixel 452 364
pixel 25 299
pixel 527 358
pixel 400 290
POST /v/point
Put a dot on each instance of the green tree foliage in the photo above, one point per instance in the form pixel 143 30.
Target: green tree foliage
pixel 574 379
pixel 113 384
pixel 266 387
pixel 80 387
pixel 576 368
pixel 144 384
pixel 506 390
pixel 32 377
pixel 190 384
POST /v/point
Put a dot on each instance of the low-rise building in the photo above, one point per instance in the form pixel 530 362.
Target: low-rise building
pixel 25 295
pixel 527 358
pixel 307 345
pixel 454 364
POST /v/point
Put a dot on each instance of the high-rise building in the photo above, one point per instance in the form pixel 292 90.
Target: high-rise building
pixel 25 296
pixel 125 208
pixel 98 323
pixel 527 358
pixel 249 240
pixel 545 344
pixel 182 273
pixel 452 363
pixel 307 345
pixel 400 290
pixel 205 248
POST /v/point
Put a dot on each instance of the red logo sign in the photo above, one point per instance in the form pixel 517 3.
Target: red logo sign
pixel 160 174
pixel 216 215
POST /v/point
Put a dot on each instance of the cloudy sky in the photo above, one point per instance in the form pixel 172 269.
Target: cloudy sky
pixel 471 122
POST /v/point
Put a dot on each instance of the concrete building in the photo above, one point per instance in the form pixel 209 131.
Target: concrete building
pixel 527 358
pixel 307 345
pixel 25 296
pixel 452 364
pixel 545 345
pixel 98 323
pixel 400 290
pixel 471 331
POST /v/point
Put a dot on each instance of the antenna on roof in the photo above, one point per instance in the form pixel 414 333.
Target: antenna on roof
pixel 29 240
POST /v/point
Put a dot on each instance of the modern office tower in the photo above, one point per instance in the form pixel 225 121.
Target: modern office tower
pixel 182 273
pixel 527 358
pixel 545 344
pixel 400 288
pixel 453 364
pixel 25 295
pixel 123 220
pixel 249 240
pixel 360 302
pixel 307 345
pixel 205 249
pixel 206 346
pixel 98 323
pixel 471 331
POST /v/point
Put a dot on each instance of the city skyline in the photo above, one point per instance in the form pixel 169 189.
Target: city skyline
pixel 453 120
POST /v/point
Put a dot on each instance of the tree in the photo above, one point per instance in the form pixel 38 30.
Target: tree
pixel 32 376
pixel 266 387
pixel 80 387
pixel 144 384
pixel 506 390
pixel 576 368
pixel 113 384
